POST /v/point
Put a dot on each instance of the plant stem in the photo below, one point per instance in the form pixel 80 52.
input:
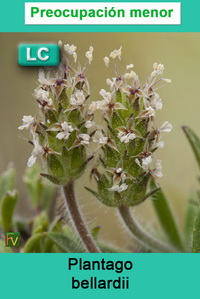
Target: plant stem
pixel 77 218
pixel 143 237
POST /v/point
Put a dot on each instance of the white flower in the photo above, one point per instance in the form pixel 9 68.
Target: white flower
pixel 84 139
pixel 37 151
pixel 100 138
pixel 160 144
pixel 153 78
pixel 167 80
pixel 60 43
pixel 57 84
pixel 115 83
pixel 107 104
pixel 105 95
pixel 129 66
pixel 166 127
pixel 130 75
pixel 49 102
pixel 119 176
pixel 31 161
pixel 89 54
pixel 92 107
pixel 134 90
pixel 144 163
pixel 41 94
pixel 103 105
pixel 118 170
pixel 116 53
pixel 66 130
pixel 45 103
pixel 158 69
pixel 70 49
pixel 150 108
pixel 157 171
pixel 44 80
pixel 148 112
pixel 78 99
pixel 156 102
pixel 98 105
pixel 28 121
pixel 111 83
pixel 89 124
pixel 106 61
pixel 118 188
pixel 126 137
pixel 75 56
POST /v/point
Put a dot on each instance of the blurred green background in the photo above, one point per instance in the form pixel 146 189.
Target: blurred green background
pixel 179 52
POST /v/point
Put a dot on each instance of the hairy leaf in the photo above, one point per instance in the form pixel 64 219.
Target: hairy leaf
pixel 3 248
pixel 194 142
pixel 33 244
pixel 7 209
pixel 40 223
pixel 107 248
pixel 66 243
pixel 33 182
pixel 190 216
pixel 40 191
pixel 166 217
pixel 196 233
pixel 7 181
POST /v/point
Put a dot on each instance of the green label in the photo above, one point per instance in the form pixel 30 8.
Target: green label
pixel 12 239
pixel 38 55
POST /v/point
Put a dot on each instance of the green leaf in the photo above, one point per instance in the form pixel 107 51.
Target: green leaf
pixel 7 181
pixel 3 248
pixel 65 242
pixel 190 216
pixel 165 217
pixel 33 245
pixel 33 183
pixel 40 223
pixel 107 248
pixel 52 179
pixel 48 194
pixel 7 209
pixel 56 225
pixel 196 233
pixel 194 142
pixel 23 227
pixel 40 192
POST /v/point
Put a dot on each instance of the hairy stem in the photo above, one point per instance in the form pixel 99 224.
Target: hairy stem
pixel 77 218
pixel 143 237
